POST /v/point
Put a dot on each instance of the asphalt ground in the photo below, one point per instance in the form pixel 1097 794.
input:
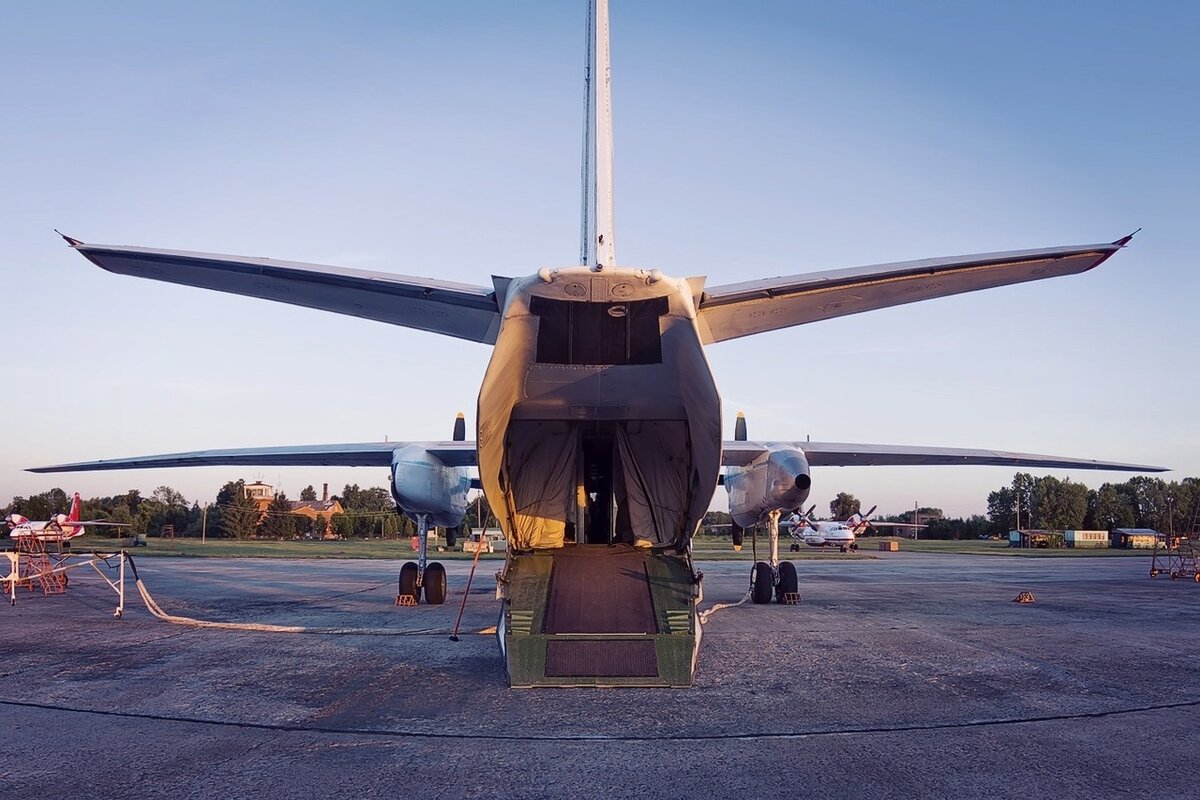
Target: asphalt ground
pixel 906 676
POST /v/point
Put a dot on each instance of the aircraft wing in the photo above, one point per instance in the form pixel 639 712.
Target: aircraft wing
pixel 454 309
pixel 838 454
pixel 740 309
pixel 365 454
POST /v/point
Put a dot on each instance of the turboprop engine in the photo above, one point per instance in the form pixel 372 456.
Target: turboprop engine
pixel 776 479
pixel 422 484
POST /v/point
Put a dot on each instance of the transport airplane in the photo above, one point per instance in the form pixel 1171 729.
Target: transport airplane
pixel 61 528
pixel 598 428
pixel 841 534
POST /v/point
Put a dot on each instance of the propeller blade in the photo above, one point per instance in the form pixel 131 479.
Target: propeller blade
pixel 739 428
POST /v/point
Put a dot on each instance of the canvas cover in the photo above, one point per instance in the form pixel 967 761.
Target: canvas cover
pixel 650 480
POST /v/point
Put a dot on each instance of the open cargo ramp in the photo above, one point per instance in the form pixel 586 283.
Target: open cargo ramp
pixel 600 615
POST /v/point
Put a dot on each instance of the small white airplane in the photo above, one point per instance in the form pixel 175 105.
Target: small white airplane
pixel 599 419
pixel 60 529
pixel 841 534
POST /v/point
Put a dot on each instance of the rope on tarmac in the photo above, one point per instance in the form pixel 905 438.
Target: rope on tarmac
pixel 704 615
pixel 153 607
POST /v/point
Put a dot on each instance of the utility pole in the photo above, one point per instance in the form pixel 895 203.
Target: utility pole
pixel 916 520
pixel 203 523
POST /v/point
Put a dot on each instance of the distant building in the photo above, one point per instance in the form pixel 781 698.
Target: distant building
pixel 1036 538
pixel 325 507
pixel 1134 538
pixel 1082 539
pixel 261 493
pixel 264 494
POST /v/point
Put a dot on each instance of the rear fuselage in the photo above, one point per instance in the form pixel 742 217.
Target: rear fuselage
pixel 598 420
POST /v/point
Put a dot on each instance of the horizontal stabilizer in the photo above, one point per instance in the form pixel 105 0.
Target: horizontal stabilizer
pixel 366 454
pixel 839 454
pixel 740 309
pixel 453 309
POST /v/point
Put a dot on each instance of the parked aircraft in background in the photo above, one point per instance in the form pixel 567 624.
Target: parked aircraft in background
pixel 61 528
pixel 841 534
pixel 599 418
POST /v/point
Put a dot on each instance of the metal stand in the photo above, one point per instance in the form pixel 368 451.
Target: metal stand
pixel 32 566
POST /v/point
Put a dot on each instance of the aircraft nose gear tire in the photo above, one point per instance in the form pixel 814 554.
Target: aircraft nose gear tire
pixel 435 584
pixel 764 583
pixel 789 582
pixel 408 581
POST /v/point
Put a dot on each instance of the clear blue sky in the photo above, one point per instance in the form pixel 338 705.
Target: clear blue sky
pixel 752 139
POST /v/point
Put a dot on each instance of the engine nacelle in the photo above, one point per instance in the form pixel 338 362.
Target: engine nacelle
pixel 777 479
pixel 423 484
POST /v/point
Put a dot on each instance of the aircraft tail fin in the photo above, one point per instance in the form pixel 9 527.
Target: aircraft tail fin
pixel 73 516
pixel 597 245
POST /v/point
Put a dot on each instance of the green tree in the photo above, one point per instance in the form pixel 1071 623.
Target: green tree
pixel 844 506
pixel 237 514
pixel 1112 509
pixel 278 523
pixel 1150 502
pixel 365 507
pixel 1059 505
pixel 308 494
pixel 169 497
pixel 1001 506
pixel 343 526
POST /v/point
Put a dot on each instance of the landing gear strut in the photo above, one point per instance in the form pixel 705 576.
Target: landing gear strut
pixel 422 575
pixel 773 578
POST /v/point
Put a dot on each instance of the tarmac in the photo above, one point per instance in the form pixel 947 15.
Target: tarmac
pixel 906 676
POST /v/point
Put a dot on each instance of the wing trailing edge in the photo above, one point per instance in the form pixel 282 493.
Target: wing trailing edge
pixel 453 309
pixel 840 454
pixel 741 309
pixel 365 454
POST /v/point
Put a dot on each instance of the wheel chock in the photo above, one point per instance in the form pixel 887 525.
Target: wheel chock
pixel 406 600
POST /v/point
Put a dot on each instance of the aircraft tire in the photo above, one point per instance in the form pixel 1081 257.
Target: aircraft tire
pixel 789 582
pixel 408 580
pixel 451 537
pixel 435 584
pixel 738 534
pixel 764 583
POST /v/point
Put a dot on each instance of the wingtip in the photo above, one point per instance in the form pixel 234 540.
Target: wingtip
pixel 71 240
pixel 1124 240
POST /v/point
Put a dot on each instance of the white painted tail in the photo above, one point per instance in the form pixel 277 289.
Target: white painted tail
pixel 598 234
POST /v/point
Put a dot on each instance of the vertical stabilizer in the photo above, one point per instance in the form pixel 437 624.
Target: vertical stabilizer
pixel 597 239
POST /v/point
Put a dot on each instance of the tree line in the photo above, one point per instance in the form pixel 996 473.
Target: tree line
pixel 368 513
pixel 1045 502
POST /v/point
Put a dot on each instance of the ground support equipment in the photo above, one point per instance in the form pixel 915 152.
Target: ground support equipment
pixel 33 566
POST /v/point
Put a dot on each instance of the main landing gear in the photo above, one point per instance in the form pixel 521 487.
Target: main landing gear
pixel 415 577
pixel 775 577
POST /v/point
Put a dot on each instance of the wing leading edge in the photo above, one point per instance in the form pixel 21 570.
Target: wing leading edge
pixel 839 454
pixel 364 454
pixel 740 309
pixel 453 309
